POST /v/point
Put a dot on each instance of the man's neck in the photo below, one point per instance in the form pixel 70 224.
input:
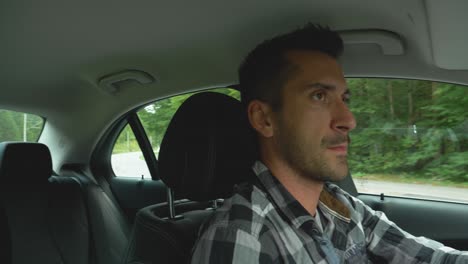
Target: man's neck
pixel 306 191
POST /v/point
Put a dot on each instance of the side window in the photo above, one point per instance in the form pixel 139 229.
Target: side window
pixel 15 126
pixel 127 158
pixel 411 138
pixel 155 117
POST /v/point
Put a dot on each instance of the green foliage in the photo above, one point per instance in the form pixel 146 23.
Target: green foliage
pixel 410 128
pixel 12 126
pixel 126 142
pixel 155 118
pixel 449 107
pixel 416 128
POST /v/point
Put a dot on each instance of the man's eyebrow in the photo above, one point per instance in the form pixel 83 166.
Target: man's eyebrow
pixel 330 87
pixel 322 86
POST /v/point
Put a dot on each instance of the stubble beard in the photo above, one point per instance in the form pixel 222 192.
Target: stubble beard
pixel 311 163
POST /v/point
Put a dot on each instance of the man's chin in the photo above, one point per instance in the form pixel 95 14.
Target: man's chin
pixel 340 172
pixel 332 169
pixel 341 169
pixel 338 177
pixel 330 175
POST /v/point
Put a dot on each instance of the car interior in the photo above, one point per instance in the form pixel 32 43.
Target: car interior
pixel 90 69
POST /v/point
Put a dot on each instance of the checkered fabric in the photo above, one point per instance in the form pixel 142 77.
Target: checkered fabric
pixel 263 223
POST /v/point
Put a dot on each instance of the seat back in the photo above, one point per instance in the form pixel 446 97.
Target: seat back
pixel 109 228
pixel 162 240
pixel 47 223
pixel 208 147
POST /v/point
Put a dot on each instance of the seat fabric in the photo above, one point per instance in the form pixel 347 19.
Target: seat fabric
pixel 56 219
pixel 47 222
pixel 208 148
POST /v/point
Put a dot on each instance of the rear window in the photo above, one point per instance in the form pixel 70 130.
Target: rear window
pixel 16 126
pixel 127 158
pixel 155 117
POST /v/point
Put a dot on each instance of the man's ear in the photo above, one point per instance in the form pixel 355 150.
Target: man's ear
pixel 260 118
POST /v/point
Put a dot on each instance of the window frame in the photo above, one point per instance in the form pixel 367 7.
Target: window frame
pixel 144 144
pixel 101 164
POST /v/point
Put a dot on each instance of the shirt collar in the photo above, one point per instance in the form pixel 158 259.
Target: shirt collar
pixel 292 210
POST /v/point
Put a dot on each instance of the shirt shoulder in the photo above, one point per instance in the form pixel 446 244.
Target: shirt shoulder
pixel 246 210
pixel 235 230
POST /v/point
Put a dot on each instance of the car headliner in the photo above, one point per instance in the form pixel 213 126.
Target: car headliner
pixel 55 52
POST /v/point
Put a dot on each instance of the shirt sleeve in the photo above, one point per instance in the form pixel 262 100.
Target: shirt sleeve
pixel 387 243
pixel 228 245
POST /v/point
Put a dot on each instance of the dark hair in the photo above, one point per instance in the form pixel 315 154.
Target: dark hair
pixel 266 68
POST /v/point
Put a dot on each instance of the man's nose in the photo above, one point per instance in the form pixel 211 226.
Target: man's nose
pixel 343 119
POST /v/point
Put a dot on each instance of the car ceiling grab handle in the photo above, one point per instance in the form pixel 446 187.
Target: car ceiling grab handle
pixel 112 83
pixel 390 43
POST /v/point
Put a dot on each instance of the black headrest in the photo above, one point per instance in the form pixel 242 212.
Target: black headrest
pixel 26 163
pixel 208 147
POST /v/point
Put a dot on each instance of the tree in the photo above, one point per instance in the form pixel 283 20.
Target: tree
pixel 410 127
pixel 156 116
pixel 10 130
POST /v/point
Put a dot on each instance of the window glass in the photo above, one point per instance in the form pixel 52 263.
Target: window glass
pixel 16 126
pixel 155 117
pixel 411 138
pixel 127 159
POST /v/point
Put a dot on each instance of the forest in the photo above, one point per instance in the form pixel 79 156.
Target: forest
pixel 415 129
pixel 405 128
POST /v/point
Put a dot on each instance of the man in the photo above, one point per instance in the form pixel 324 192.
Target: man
pixel 296 100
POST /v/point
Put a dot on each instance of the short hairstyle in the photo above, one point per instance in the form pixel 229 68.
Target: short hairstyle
pixel 266 69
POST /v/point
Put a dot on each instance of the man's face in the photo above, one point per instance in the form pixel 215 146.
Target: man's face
pixel 312 125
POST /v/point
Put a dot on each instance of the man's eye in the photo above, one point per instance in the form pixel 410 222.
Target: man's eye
pixel 347 98
pixel 319 96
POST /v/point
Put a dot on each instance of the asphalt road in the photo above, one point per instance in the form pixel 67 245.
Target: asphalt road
pixel 130 164
pixel 423 191
pixel 133 165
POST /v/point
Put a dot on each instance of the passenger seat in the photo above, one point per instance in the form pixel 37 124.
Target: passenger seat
pixel 208 148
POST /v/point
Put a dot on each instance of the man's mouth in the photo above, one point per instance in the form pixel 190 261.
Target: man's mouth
pixel 342 148
pixel 338 144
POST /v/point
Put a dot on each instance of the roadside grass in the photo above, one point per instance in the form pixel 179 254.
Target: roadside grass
pixel 120 148
pixel 132 146
pixel 405 178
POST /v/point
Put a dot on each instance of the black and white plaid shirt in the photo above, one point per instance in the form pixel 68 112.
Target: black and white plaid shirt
pixel 263 223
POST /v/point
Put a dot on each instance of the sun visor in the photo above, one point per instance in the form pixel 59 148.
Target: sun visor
pixel 447 26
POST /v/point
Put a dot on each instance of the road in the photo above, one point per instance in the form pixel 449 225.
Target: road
pixel 130 164
pixel 133 165
pixel 424 191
